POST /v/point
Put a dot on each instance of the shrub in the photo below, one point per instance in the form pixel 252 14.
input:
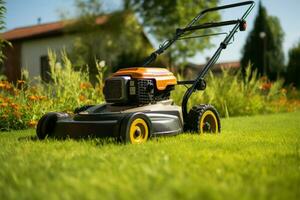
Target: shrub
pixel 232 96
pixel 293 67
pixel 23 103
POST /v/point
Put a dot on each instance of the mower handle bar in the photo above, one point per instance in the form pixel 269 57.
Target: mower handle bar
pixel 202 13
pixel 190 27
pixel 216 55
pixel 207 25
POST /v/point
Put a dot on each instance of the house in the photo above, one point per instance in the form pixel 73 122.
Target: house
pixel 30 47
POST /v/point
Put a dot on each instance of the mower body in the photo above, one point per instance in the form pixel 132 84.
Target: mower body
pixel 107 120
pixel 129 93
pixel 138 103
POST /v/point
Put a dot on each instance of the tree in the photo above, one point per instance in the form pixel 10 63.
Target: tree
pixel 3 43
pixel 263 47
pixel 119 41
pixel 2 27
pixel 293 68
pixel 161 18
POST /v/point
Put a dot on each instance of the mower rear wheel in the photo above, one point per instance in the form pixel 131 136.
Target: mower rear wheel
pixel 204 118
pixel 136 128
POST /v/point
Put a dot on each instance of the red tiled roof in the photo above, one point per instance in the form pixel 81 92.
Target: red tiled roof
pixel 41 29
pixel 231 65
pixel 30 31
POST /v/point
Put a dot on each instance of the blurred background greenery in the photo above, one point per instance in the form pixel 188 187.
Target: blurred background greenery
pixel 76 54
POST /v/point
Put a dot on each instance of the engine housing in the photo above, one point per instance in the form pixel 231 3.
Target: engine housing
pixel 139 86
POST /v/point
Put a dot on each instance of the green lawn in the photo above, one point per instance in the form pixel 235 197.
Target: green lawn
pixel 254 158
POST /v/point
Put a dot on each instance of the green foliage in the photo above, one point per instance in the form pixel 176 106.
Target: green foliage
pixel 65 93
pixel 119 40
pixel 263 47
pixel 163 17
pixel 88 8
pixel 71 88
pixel 254 157
pixel 293 68
pixel 2 27
pixel 3 43
pixel 67 90
pixel 232 96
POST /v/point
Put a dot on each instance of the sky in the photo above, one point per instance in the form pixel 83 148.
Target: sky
pixel 26 12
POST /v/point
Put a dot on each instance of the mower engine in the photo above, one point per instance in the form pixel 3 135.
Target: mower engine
pixel 139 86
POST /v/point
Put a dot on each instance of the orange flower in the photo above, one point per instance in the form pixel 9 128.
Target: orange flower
pixel 82 97
pixel 6 100
pixel 2 85
pixel 8 87
pixel 5 85
pixel 85 85
pixel 266 86
pixel 14 106
pixel 32 123
pixel 36 98
pixel 3 105
pixel 20 82
pixel 32 97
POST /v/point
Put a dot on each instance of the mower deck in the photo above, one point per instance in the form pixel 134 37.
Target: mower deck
pixel 105 120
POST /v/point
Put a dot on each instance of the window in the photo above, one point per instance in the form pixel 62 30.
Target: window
pixel 45 69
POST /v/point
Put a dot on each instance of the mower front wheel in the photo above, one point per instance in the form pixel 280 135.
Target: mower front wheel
pixel 47 123
pixel 135 128
pixel 204 118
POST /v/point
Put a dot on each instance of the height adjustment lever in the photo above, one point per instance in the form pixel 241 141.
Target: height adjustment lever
pixel 201 85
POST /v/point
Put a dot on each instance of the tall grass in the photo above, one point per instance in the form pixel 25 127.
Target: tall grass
pixel 22 104
pixel 70 88
pixel 233 96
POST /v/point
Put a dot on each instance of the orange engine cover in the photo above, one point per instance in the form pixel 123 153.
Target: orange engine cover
pixel 162 76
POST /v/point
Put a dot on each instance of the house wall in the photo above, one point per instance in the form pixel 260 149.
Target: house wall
pixel 33 50
pixel 12 62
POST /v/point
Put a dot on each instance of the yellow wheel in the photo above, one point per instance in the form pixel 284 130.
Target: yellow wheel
pixel 204 119
pixel 208 122
pixel 135 128
pixel 139 131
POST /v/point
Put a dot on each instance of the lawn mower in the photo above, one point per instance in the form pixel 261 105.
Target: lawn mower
pixel 138 104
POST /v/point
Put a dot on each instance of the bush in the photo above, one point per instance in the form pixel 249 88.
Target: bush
pixel 293 67
pixel 232 96
pixel 23 103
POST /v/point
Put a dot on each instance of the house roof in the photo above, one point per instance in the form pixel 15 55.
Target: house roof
pixel 231 65
pixel 41 30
